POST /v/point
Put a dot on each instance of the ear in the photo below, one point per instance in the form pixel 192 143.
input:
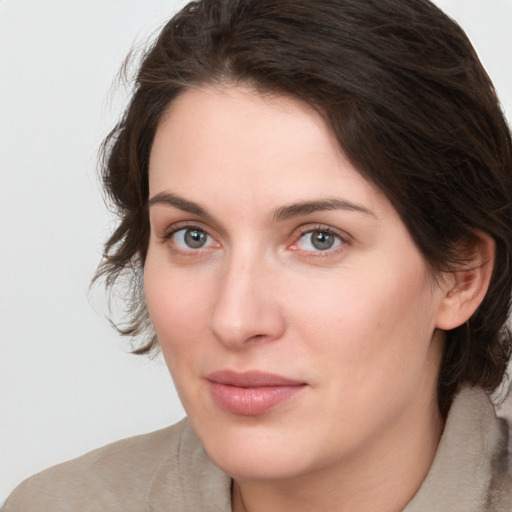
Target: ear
pixel 466 288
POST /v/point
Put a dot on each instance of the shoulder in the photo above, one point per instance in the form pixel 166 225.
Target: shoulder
pixel 471 471
pixel 117 476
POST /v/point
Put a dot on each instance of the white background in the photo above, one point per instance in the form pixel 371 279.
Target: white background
pixel 67 382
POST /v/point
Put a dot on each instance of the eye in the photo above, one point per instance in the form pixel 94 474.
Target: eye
pixel 191 238
pixel 318 240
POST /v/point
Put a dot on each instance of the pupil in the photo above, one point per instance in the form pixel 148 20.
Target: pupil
pixel 321 240
pixel 194 238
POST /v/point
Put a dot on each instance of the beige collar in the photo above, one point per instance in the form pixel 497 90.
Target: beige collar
pixel 468 473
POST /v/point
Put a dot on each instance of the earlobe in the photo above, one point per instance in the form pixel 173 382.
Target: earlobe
pixel 466 288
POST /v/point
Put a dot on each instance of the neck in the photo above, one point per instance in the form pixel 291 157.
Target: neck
pixel 382 476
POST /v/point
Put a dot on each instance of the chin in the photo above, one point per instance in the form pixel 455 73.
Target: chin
pixel 264 465
pixel 254 453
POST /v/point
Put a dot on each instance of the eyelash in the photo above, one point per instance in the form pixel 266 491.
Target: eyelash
pixel 342 240
pixel 185 227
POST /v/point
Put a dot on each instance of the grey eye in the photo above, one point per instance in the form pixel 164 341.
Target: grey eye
pixel 191 238
pixel 195 238
pixel 319 241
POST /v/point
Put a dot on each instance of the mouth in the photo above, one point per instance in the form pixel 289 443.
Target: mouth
pixel 251 393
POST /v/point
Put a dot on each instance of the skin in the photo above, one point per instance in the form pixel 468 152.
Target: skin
pixel 357 323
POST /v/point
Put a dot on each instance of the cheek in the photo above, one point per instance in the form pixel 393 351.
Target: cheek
pixel 370 323
pixel 373 346
pixel 178 307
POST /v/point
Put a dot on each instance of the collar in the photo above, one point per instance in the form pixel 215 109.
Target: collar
pixel 469 471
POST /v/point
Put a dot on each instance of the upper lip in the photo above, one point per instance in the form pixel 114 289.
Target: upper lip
pixel 249 379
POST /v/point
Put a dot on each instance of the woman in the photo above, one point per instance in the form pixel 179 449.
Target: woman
pixel 315 204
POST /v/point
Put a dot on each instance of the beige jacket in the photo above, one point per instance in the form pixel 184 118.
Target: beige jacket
pixel 168 470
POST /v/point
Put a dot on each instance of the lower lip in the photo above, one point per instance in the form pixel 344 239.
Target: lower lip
pixel 253 400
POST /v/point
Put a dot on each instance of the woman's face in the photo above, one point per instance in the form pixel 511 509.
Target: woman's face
pixel 296 316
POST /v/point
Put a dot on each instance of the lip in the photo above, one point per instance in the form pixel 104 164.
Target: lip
pixel 251 393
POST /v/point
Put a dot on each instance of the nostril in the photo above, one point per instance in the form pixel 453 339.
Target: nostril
pixel 256 337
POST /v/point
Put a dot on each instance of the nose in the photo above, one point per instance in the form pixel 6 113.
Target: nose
pixel 246 308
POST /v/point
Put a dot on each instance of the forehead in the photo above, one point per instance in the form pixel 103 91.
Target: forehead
pixel 240 116
pixel 215 142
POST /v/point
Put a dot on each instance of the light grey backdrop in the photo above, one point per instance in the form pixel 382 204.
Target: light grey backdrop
pixel 67 382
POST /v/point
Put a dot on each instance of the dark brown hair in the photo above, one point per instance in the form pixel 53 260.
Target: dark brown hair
pixel 399 85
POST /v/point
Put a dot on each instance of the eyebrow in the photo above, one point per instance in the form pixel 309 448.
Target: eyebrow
pixel 307 207
pixel 284 212
pixel 168 199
